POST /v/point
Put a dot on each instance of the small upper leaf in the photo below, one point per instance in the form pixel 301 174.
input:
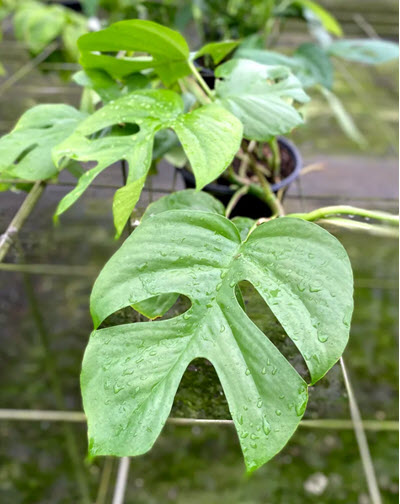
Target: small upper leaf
pixel 25 152
pixel 210 136
pixel 168 50
pixel 260 96
pixel 217 50
pixel 131 372
pixel 326 19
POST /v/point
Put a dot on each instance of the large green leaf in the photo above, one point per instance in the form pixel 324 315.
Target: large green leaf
pixel 131 372
pixel 210 136
pixel 168 50
pixel 365 50
pixel 25 153
pixel 260 96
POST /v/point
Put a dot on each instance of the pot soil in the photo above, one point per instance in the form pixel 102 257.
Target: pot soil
pixel 249 205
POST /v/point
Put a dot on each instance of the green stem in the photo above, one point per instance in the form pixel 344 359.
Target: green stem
pixel 7 239
pixel 270 198
pixel 201 81
pixel 234 200
pixel 263 193
pixel 276 157
pixel 333 211
pixel 197 91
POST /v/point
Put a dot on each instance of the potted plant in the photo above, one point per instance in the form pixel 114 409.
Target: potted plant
pixel 186 244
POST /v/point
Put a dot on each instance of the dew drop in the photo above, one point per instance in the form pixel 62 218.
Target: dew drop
pixel 247 372
pixel 266 427
pixel 278 412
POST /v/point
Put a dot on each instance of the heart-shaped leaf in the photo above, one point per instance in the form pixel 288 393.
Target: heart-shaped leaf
pixel 131 372
pixel 25 152
pixel 210 136
pixel 168 50
pixel 260 96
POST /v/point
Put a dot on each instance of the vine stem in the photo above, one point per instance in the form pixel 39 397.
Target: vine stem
pixel 332 211
pixel 201 81
pixel 7 238
pixel 263 193
pixel 362 442
pixel 234 200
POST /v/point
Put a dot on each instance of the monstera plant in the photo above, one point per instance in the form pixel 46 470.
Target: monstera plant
pixel 131 372
pixel 145 98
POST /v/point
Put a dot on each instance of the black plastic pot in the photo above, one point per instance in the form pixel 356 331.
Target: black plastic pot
pixel 249 205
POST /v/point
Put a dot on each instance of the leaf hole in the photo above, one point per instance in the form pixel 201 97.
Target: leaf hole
pixel 261 315
pixel 156 309
pixel 116 130
pixel 200 393
pixel 24 153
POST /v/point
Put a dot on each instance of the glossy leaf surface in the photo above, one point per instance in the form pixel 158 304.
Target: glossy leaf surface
pixel 25 152
pixel 210 136
pixel 167 49
pixel 260 96
pixel 131 372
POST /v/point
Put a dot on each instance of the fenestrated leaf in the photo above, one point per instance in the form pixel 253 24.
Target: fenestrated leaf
pixel 365 50
pixel 217 50
pixel 189 200
pixel 210 136
pixel 168 50
pixel 260 96
pixel 25 152
pixel 131 372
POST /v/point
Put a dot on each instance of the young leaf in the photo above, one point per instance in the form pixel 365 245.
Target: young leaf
pixel 25 152
pixel 260 96
pixel 131 372
pixel 210 136
pixel 327 20
pixel 168 50
pixel 217 50
pixel 369 51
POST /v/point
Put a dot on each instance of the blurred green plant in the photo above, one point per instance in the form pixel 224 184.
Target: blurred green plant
pixel 37 24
